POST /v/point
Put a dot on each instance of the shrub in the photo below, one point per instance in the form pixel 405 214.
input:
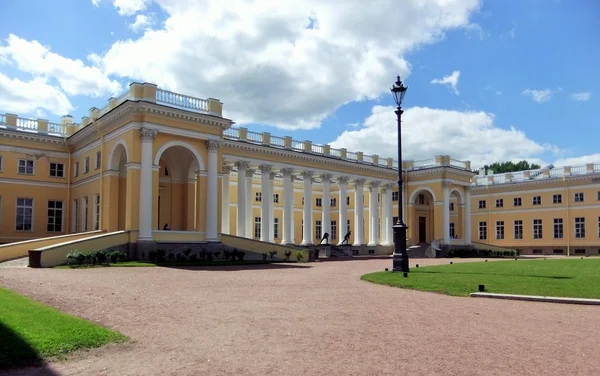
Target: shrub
pixel 287 255
pixel 272 254
pixel 171 256
pixel 152 256
pixel 180 257
pixel 187 253
pixel 299 256
pixel 160 255
pixel 75 258
pixel 264 256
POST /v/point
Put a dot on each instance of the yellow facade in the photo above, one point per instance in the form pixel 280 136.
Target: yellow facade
pixel 152 158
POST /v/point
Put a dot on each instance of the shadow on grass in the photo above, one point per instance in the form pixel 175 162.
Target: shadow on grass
pixel 232 268
pixel 500 274
pixel 17 357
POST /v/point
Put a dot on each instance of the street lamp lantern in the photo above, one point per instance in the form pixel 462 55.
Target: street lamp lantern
pixel 398 91
pixel 400 256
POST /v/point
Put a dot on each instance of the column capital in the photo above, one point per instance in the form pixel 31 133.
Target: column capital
pixel 359 182
pixel 287 171
pixel 326 178
pixel 389 186
pixel 147 135
pixel 342 180
pixel 250 172
pixel 272 175
pixel 265 168
pixel 307 174
pixel 226 169
pixel 374 185
pixel 213 145
pixel 468 188
pixel 446 184
pixel 242 164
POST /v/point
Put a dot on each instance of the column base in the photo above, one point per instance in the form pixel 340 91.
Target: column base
pixel 357 244
pixel 307 244
pixel 369 244
pixel 144 247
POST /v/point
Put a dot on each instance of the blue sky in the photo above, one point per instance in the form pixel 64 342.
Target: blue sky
pixel 527 81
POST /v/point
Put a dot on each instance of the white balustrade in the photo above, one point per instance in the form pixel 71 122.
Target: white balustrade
pixel 179 100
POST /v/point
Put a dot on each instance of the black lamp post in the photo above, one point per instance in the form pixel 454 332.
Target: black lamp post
pixel 400 257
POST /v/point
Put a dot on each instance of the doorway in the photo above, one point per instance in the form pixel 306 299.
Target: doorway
pixel 422 230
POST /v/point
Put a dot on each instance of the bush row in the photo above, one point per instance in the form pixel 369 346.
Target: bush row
pixel 473 252
pixel 287 255
pixel 162 256
pixel 103 256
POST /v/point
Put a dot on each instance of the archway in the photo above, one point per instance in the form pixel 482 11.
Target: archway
pixel 422 216
pixel 178 189
pixel 116 200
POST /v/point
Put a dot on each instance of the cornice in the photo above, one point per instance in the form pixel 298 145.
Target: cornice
pixel 29 136
pixel 532 182
pixel 197 117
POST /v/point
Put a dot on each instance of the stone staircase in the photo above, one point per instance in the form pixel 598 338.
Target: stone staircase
pixel 420 251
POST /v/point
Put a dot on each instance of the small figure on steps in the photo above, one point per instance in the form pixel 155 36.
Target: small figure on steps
pixel 166 227
pixel 325 237
pixel 346 238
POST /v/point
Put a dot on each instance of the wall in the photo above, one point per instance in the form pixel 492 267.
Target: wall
pixel 20 249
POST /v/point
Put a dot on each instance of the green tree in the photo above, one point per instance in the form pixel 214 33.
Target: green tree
pixel 502 167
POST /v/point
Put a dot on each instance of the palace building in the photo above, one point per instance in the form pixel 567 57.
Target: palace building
pixel 154 167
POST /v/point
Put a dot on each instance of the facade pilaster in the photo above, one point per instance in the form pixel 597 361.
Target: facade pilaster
pixel 446 186
pixel 212 197
pixel 467 215
pixel 266 203
pixel 146 203
pixel 373 213
pixel 326 205
pixel 343 217
pixel 242 167
pixel 307 233
pixel 225 228
pixel 272 176
pixel 288 206
pixel 359 211
pixel 249 204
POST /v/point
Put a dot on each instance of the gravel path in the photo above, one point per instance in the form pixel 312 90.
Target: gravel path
pixel 313 319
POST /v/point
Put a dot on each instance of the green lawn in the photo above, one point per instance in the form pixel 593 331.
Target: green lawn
pixel 31 331
pixel 565 278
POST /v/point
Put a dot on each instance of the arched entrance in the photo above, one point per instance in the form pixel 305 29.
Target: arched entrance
pixel 115 201
pixel 422 216
pixel 178 189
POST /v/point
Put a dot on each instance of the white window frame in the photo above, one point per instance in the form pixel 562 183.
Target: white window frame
pixel 499 202
pixel 276 198
pixel 1 164
pixel 451 206
pixel 75 215
pixel 517 201
pixel 276 228
pixel 347 226
pixel 258 197
pixel 97 212
pixel 333 202
pixel 578 197
pixel 557 198
pixel 62 216
pixel 76 169
pixel 84 214
pixel 333 234
pixel 17 207
pixel 558 227
pixel 579 227
pixel 98 160
pixel 25 166
pixel 482 230
pixel 518 226
pixel 482 204
pixel 318 229
pixel 452 230
pixel 395 195
pixel 257 227
pixel 319 202
pixel 539 231
pixel 500 230
pixel 56 170
pixel 86 165
pixel 533 200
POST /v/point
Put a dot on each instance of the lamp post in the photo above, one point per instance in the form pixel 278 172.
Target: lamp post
pixel 400 257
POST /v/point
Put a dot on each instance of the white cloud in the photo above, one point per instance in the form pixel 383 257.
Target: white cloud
pixel 451 80
pixel 539 96
pixel 511 33
pixel 583 96
pixel 267 66
pixel 130 7
pixel 141 22
pixel 73 76
pixel 578 161
pixel 96 3
pixel 427 132
pixel 35 96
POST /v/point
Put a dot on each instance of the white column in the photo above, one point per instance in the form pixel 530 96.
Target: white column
pixel 225 228
pixel 373 213
pixel 343 217
pixel 467 215
pixel 272 205
pixel 307 234
pixel 212 197
pixel 293 211
pixel 288 206
pixel 390 215
pixel 249 204
pixel 266 202
pixel 326 205
pixel 242 167
pixel 359 211
pixel 146 204
pixel 446 185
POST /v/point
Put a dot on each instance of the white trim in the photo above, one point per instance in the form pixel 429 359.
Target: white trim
pixel 121 142
pixel 460 198
pixel 26 160
pixel 536 209
pixel 424 188
pixel 36 183
pixel 75 214
pixel 541 190
pixel 1 163
pixel 50 170
pixel 54 154
pixel 183 144
pixel 32 214
pixel 62 217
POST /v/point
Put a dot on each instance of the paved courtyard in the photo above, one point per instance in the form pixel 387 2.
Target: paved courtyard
pixel 308 319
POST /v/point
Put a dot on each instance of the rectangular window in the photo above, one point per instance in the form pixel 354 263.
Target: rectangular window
pixel 98 159
pixel 347 200
pixel 452 231
pixel 579 197
pixel 276 198
pixel 24 214
pixel 276 228
pixel 537 200
pixel 597 194
pixel 558 228
pixel 378 197
pixel 318 230
pixel 579 227
pixel 333 234
pixel 451 206
pixel 347 226
pixel 557 199
pixel 395 195
pixel 26 166
pixel 333 202
pixel 482 230
pixel 74 225
pixel 84 215
pixel 499 230
pixel 258 196
pixel 481 204
pixel 302 201
pixel 500 203
pixel 257 223
pixel 517 201
pixel 76 170
pixel 55 216
pixel 518 229
pixel 57 170
pixel 537 229
pixel 1 167
pixel 86 165
pixel 96 212
pixel 319 202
